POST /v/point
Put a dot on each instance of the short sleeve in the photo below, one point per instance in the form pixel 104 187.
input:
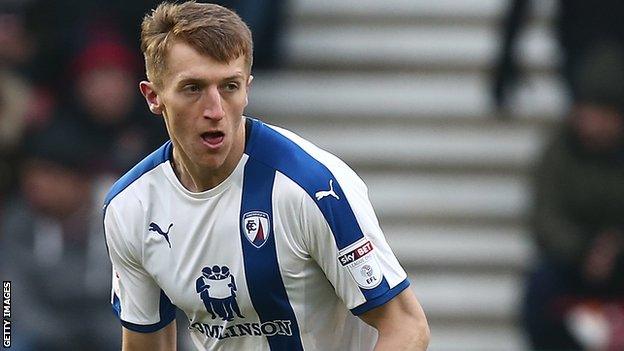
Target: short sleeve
pixel 137 300
pixel 344 237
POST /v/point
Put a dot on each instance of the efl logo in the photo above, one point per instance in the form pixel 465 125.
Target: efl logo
pixel 362 264
pixel 6 314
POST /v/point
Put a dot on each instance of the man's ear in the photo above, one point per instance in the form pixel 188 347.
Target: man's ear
pixel 151 97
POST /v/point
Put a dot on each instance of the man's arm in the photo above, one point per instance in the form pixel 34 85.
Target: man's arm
pixel 161 340
pixel 401 324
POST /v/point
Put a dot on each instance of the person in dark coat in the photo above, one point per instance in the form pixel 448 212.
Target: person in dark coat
pixel 578 213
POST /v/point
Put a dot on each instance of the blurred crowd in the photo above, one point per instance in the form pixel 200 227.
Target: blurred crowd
pixel 72 120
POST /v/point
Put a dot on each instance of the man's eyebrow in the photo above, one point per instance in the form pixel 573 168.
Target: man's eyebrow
pixel 237 75
pixel 188 79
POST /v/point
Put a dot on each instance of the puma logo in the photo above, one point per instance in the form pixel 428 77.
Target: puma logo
pixel 323 193
pixel 153 227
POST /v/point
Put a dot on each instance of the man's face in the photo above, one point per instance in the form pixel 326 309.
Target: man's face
pixel 54 189
pixel 111 84
pixel 202 102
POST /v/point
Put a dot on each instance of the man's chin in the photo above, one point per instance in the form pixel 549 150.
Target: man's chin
pixel 211 163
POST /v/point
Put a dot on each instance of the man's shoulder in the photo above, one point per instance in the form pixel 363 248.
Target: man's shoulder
pixel 153 160
pixel 286 151
pixel 306 164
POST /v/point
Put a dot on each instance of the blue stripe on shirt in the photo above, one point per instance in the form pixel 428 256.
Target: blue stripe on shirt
pixel 264 281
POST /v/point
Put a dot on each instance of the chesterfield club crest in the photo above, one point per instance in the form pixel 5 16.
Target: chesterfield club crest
pixel 257 227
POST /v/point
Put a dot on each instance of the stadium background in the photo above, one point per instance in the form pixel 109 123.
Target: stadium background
pixel 400 90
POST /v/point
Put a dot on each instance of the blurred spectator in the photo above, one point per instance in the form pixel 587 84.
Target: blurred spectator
pixel 60 28
pixel 579 24
pixel 266 20
pixel 108 107
pixel 15 91
pixel 578 217
pixel 14 99
pixel 52 248
pixel 17 45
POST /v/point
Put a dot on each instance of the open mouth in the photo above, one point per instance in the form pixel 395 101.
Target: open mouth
pixel 213 139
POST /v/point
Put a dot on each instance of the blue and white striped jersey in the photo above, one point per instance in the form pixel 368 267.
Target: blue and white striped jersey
pixel 282 255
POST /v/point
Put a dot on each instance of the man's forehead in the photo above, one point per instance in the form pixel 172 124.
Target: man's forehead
pixel 184 62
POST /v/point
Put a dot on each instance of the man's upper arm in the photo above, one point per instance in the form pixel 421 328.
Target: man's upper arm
pixel 401 323
pixel 161 340
pixel 344 237
pixel 137 299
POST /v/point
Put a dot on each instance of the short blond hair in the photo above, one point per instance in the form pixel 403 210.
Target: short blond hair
pixel 210 29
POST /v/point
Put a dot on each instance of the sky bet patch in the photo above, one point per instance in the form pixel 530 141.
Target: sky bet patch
pixel 360 260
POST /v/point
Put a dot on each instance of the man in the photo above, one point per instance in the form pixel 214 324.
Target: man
pixel 51 246
pixel 289 223
pixel 577 217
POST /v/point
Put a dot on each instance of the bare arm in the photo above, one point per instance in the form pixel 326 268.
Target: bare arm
pixel 401 324
pixel 161 340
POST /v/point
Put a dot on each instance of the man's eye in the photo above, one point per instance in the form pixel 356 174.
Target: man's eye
pixel 231 87
pixel 192 88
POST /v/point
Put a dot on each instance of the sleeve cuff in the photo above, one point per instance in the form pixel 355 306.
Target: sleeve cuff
pixel 380 300
pixel 167 315
pixel 150 328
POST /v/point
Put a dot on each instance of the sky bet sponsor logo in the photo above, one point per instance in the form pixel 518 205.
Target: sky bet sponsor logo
pixel 356 254
pixel 6 314
pixel 268 328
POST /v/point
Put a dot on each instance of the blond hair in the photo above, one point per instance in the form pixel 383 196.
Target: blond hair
pixel 210 29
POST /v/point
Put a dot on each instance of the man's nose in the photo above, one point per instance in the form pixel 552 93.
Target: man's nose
pixel 214 104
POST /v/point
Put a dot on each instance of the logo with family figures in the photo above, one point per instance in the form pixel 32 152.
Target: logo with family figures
pixel 257 227
pixel 217 289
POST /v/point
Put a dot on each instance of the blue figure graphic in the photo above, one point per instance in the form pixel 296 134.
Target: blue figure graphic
pixel 217 289
pixel 202 289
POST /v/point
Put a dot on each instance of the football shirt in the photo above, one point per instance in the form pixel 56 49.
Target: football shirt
pixel 282 255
